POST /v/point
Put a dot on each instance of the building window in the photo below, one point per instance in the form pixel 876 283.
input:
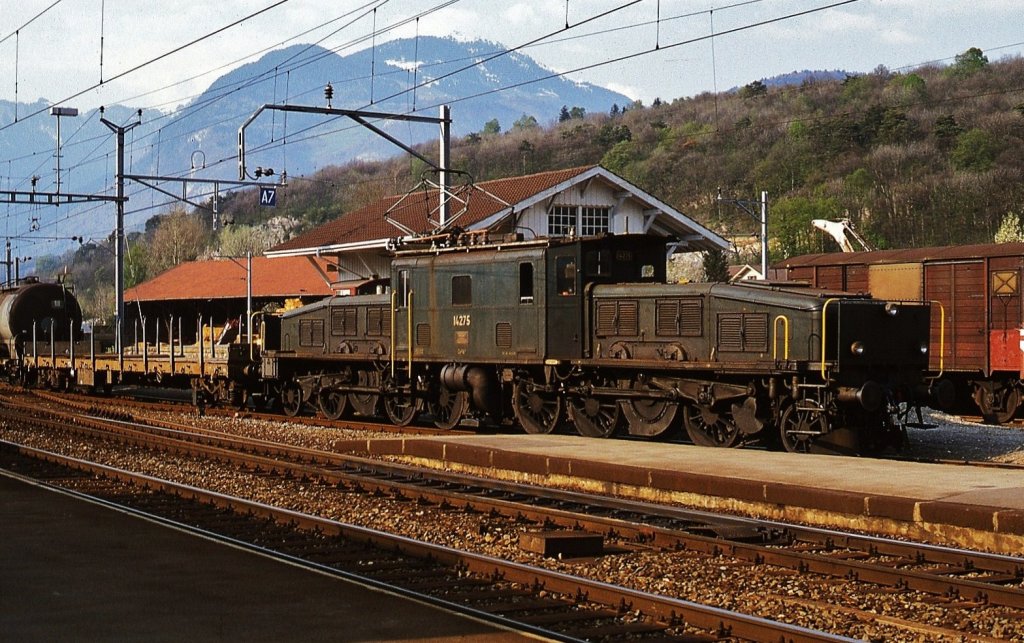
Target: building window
pixel 562 221
pixel 566 220
pixel 594 220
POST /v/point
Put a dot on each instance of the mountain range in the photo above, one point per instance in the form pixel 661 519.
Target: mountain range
pixel 478 79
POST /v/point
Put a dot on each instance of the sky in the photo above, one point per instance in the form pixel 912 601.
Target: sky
pixel 51 49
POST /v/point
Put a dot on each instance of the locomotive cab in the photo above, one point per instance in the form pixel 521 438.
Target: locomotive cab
pixel 575 268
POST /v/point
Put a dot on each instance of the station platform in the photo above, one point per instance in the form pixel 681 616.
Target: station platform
pixel 962 506
pixel 77 571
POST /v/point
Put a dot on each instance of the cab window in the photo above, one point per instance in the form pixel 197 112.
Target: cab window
pixel 565 275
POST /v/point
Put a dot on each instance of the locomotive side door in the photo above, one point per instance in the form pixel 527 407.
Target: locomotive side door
pixel 564 296
pixel 1004 316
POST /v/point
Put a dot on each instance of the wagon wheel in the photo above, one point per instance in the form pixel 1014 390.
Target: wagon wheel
pixel 998 404
pixel 537 411
pixel 400 405
pixel 365 404
pixel 709 428
pixel 595 417
pixel 649 417
pixel 449 407
pixel 291 398
pixel 801 424
pixel 332 403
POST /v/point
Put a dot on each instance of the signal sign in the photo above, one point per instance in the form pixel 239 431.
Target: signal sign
pixel 268 197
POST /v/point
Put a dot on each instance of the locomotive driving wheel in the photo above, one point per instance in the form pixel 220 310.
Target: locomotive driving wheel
pixel 710 428
pixel 595 417
pixel 332 403
pixel 650 417
pixel 365 404
pixel 537 411
pixel 291 398
pixel 448 407
pixel 400 404
pixel 801 424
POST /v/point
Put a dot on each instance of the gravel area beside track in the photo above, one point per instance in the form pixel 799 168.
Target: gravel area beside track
pixel 955 439
pixel 808 600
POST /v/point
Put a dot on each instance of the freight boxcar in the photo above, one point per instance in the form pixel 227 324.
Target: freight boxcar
pixel 979 290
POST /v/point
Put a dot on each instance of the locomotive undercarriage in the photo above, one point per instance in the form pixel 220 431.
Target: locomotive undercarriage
pixel 789 411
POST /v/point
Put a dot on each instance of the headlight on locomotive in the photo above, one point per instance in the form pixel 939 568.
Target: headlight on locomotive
pixel 924 348
pixel 857 348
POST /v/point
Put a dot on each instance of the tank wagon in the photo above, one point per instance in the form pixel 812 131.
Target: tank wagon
pixel 549 333
pixel 36 311
pixel 979 289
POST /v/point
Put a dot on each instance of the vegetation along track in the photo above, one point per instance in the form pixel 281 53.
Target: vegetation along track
pixel 973 593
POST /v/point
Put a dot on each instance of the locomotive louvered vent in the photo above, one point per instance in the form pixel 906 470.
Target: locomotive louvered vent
pixel 503 335
pixel 740 332
pixel 618 318
pixel 629 318
pixel 691 317
pixel 730 332
pixel 755 333
pixel 423 334
pixel 679 317
pixel 343 321
pixel 667 318
pixel 311 332
pixel 378 320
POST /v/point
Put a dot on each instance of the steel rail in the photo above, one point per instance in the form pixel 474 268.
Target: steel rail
pixel 671 610
pixel 228 448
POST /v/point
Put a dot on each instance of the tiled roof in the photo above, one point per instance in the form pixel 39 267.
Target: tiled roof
pixel 368 223
pixel 226 279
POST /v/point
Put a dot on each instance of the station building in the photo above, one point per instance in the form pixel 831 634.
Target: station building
pixel 351 254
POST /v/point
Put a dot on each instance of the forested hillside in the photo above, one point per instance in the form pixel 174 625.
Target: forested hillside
pixel 929 156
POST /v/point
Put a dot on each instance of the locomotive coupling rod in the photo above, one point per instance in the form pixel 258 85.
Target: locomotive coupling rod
pixel 630 394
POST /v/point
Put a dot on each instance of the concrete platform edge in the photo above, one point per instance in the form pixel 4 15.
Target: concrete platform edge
pixel 962 524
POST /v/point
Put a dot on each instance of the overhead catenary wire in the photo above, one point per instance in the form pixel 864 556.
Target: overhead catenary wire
pixel 608 62
pixel 160 57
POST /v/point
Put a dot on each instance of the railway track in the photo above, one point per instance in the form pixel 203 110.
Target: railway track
pixel 961 580
pixel 125 406
pixel 532 599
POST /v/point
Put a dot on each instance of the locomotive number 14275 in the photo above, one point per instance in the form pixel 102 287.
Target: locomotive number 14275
pixel 460 320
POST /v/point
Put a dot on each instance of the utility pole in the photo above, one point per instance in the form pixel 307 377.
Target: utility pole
pixel 444 153
pixel 119 199
pixel 762 217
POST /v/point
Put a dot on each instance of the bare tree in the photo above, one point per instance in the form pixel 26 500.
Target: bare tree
pixel 178 238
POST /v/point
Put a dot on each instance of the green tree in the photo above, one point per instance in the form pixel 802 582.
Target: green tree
pixel 136 263
pixel 968 63
pixel 525 123
pixel 946 131
pixel 716 266
pixel 564 114
pixel 492 127
pixel 975 151
pixel 753 90
pixel 790 223
pixel 577 113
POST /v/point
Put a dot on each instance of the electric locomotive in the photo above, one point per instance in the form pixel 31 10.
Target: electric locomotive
pixel 584 332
